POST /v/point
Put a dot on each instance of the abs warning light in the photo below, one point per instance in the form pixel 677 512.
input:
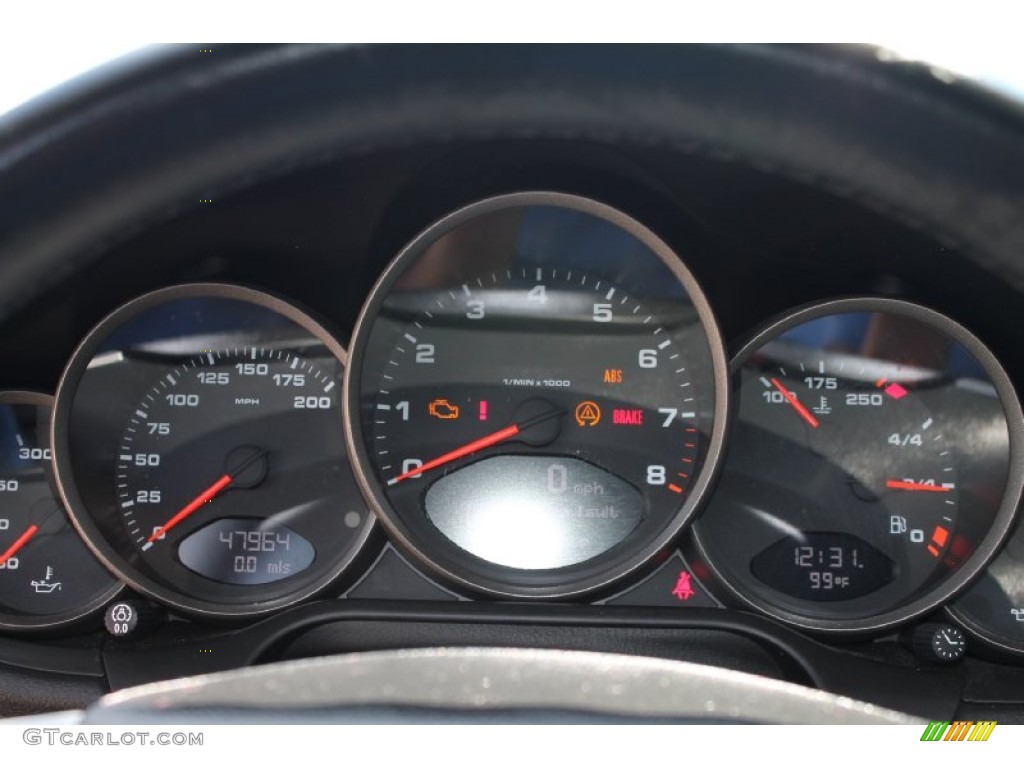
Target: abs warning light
pixel 632 416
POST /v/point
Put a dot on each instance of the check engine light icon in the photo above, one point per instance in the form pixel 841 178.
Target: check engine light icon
pixel 442 409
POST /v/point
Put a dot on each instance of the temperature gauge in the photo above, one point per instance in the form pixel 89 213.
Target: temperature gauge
pixel 871 470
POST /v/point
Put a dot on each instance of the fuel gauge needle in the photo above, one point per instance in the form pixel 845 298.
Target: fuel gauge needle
pixel 20 542
pixel 903 485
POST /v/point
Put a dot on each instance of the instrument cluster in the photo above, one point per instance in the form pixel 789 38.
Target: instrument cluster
pixel 536 403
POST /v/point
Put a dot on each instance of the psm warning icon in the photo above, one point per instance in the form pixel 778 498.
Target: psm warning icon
pixel 588 414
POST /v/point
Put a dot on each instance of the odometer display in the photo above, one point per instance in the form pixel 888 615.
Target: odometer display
pixel 535 402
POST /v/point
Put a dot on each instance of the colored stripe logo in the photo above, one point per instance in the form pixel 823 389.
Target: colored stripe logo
pixel 959 730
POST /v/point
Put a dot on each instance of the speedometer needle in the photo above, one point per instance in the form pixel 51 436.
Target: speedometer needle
pixel 208 495
pixel 797 405
pixel 477 445
pixel 20 542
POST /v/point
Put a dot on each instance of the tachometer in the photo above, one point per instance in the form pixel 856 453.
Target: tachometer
pixel 873 468
pixel 536 401
pixel 199 447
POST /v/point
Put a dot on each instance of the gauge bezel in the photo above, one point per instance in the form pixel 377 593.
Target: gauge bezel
pixel 64 619
pixel 63 462
pixel 1005 513
pixel 992 643
pixel 570 587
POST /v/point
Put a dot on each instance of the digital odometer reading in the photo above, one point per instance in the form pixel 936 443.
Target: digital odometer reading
pixel 246 551
pixel 823 566
pixel 527 424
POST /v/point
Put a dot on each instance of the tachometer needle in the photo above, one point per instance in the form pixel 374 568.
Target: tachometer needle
pixel 797 405
pixel 20 542
pixel 477 445
pixel 208 495
pixel 902 485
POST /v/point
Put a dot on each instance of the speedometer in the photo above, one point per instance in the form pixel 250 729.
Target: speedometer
pixel 536 401
pixel 199 448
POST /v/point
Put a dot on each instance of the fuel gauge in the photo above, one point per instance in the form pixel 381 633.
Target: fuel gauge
pixel 48 577
pixel 873 467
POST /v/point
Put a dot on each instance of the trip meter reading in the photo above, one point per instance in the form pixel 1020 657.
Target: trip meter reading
pixel 537 396
pixel 869 471
pixel 199 446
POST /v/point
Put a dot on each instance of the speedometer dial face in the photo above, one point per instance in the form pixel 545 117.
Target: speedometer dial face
pixel 870 471
pixel 199 446
pixel 528 423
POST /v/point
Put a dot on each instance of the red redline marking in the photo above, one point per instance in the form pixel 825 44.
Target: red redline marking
pixel 691 430
pixel 901 485
pixel 933 550
pixel 683 475
pixel 674 488
pixel 20 542
pixel 691 445
pixel 880 382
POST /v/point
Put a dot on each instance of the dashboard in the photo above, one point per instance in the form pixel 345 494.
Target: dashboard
pixel 695 353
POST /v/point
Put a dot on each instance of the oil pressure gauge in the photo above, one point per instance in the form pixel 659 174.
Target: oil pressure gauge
pixel 48 578
pixel 873 468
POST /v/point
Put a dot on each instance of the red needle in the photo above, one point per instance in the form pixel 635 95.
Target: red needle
pixel 477 445
pixel 191 507
pixel 902 485
pixel 17 545
pixel 797 405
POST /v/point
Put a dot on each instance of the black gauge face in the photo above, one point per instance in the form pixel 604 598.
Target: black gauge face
pixel 536 397
pixel 992 609
pixel 48 577
pixel 200 447
pixel 869 468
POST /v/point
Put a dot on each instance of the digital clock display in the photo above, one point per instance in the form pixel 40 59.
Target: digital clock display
pixel 823 566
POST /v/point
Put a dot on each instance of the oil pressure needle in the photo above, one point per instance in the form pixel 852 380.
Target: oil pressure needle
pixel 20 542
